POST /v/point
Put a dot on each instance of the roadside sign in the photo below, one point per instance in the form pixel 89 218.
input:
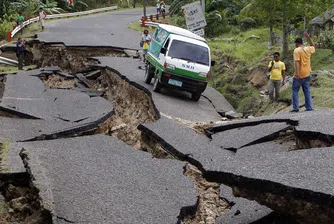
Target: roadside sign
pixel 194 16
pixel 199 32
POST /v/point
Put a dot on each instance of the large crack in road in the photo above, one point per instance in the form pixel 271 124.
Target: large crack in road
pixel 209 152
pixel 133 105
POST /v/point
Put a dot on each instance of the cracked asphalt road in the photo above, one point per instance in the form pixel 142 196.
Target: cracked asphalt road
pixel 84 164
pixel 105 29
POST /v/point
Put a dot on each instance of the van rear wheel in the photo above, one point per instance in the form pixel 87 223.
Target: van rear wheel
pixel 196 96
pixel 157 85
pixel 149 73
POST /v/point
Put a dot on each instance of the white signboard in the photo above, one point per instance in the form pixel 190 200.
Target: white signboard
pixel 194 16
pixel 199 32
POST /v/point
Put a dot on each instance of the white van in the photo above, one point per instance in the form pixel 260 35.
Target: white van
pixel 178 58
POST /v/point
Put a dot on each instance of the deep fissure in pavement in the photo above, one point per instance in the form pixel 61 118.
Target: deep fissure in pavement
pixel 19 199
pixel 68 58
pixel 209 204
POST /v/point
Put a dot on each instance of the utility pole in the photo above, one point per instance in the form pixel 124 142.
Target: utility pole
pixel 29 9
pixel 145 8
pixel 203 6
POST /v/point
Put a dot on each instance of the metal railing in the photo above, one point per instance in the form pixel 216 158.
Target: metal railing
pixel 62 15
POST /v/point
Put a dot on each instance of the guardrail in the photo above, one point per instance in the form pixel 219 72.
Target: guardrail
pixel 55 16
pixel 150 24
pixel 8 61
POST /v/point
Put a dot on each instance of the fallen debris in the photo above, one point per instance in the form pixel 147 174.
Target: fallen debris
pixel 57 82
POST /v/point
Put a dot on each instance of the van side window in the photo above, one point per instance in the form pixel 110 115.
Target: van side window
pixel 162 35
pixel 166 44
pixel 156 33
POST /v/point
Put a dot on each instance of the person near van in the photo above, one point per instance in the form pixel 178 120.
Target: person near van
pixel 145 42
pixel 162 8
pixel 277 77
pixel 42 16
pixel 20 20
pixel 20 52
pixel 302 75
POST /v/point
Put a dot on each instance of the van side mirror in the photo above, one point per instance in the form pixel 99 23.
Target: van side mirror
pixel 163 51
pixel 213 63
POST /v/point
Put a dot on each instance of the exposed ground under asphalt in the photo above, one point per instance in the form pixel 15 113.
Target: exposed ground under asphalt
pixel 133 105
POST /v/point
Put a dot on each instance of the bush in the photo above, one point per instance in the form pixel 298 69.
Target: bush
pixel 6 25
pixel 216 24
pixel 235 30
pixel 326 39
pixel 247 23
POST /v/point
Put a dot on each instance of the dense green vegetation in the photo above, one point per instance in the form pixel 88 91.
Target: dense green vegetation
pixel 243 35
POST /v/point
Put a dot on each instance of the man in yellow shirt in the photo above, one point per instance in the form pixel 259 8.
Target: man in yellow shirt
pixel 277 77
pixel 302 75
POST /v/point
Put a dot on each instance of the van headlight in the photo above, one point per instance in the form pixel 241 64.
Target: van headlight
pixel 202 74
pixel 169 66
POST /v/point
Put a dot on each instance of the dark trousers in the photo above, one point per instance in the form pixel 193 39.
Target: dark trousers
pixel 21 56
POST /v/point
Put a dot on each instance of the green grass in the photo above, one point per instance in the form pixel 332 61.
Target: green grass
pixel 6 69
pixel 249 50
pixel 4 149
pixel 322 59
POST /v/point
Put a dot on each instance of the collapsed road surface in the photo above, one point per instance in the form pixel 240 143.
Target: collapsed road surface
pixel 91 145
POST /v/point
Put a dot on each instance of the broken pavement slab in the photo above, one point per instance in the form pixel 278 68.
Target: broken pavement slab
pixel 13 129
pixel 293 183
pixel 99 179
pixel 184 143
pixel 242 211
pixel 27 94
pixel 234 139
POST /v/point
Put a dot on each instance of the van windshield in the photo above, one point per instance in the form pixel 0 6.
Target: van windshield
pixel 189 52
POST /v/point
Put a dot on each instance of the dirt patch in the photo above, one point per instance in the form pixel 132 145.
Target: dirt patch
pixel 209 204
pixel 198 127
pixel 22 205
pixel 303 211
pixel 133 106
pixel 57 82
pixel 153 147
pixel 257 77
pixel 72 59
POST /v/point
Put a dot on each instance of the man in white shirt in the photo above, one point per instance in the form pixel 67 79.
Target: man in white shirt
pixel 42 16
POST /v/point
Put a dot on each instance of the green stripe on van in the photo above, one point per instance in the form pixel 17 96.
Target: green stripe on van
pixel 176 71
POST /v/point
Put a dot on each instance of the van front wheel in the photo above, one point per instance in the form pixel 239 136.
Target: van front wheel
pixel 195 96
pixel 149 72
pixel 157 85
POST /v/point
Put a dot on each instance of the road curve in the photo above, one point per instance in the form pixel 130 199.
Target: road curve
pixel 105 29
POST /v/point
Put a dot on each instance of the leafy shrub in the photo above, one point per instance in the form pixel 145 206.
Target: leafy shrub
pixel 326 39
pixel 247 23
pixel 6 26
pixel 235 30
pixel 216 24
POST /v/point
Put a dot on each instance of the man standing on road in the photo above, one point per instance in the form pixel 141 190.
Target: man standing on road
pixel 42 16
pixel 277 77
pixel 20 52
pixel 302 75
